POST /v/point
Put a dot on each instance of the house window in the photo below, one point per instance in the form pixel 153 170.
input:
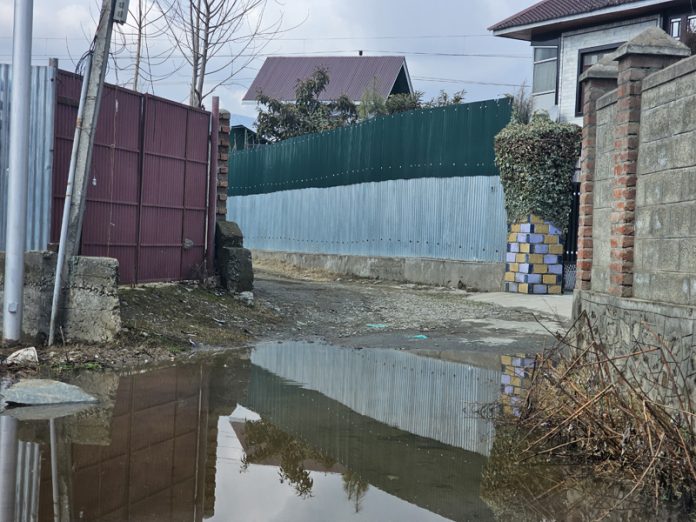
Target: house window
pixel 545 70
pixel 586 59
pixel 682 27
pixel 675 27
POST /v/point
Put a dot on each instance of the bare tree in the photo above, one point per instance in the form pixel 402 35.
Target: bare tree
pixel 146 24
pixel 217 38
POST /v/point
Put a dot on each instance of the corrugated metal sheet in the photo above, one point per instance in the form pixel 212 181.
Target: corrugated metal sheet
pixel 349 75
pixel 147 196
pixel 428 397
pixel 445 218
pixel 443 142
pixel 42 109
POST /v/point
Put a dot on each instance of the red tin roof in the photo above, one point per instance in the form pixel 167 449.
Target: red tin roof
pixel 349 75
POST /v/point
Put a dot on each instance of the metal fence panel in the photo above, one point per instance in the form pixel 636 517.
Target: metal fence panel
pixel 147 193
pixel 41 114
pixel 460 218
pixel 442 142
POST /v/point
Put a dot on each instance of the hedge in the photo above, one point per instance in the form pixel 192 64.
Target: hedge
pixel 537 162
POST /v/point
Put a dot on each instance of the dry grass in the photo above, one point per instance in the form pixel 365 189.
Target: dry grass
pixel 626 415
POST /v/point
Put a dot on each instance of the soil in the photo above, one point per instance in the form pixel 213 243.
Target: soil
pixel 166 322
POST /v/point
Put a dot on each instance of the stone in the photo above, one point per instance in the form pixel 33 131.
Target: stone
pixel 236 269
pixel 52 411
pixel 34 392
pixel 25 358
pixel 228 234
pixel 246 297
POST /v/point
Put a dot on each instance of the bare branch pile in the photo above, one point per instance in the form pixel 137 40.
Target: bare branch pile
pixel 625 414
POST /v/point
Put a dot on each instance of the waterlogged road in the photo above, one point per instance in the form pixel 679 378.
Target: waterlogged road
pixel 369 401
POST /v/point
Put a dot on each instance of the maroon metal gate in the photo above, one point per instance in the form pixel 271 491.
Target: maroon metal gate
pixel 147 199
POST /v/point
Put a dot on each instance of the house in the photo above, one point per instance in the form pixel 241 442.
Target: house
pixel 349 75
pixel 242 137
pixel 569 36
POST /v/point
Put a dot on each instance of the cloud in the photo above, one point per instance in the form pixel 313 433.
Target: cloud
pixel 63 29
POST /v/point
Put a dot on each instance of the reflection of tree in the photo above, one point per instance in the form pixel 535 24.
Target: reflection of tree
pixel 266 441
pixel 355 487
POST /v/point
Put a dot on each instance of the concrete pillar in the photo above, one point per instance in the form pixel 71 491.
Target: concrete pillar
pixel 597 81
pixel 649 52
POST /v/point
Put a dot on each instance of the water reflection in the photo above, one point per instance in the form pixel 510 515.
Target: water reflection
pixel 441 400
pixel 299 432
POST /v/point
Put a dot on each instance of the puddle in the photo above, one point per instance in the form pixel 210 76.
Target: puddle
pixel 296 432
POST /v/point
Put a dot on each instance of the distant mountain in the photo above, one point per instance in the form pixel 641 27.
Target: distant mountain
pixel 238 119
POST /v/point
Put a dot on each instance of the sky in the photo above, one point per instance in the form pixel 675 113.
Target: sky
pixel 435 36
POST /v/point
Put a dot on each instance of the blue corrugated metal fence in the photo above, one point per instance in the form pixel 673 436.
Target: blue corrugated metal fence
pixel 43 102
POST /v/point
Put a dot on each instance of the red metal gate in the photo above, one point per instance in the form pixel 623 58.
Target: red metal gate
pixel 147 198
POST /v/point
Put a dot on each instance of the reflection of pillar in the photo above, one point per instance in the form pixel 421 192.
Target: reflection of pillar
pixel 8 466
pixel 211 467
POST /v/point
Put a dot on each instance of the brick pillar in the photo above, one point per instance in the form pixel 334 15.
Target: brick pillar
pixel 649 52
pixel 222 169
pixel 596 82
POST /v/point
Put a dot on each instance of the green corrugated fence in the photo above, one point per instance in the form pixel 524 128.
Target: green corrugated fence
pixel 429 143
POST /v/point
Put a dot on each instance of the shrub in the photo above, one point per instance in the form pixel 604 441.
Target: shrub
pixel 537 162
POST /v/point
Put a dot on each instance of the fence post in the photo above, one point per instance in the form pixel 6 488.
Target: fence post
pixel 651 51
pixel 212 184
pixel 596 82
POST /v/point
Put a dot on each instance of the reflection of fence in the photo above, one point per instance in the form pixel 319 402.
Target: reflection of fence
pixel 416 184
pixel 424 396
pixel 440 478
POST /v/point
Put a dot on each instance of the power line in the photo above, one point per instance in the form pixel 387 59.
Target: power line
pixel 331 52
pixel 454 80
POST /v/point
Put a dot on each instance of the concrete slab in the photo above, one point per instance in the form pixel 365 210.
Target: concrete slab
pixel 560 307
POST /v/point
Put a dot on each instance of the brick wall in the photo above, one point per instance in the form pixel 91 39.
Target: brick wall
pixel 637 281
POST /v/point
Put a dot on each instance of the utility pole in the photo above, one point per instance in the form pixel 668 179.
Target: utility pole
pixel 13 304
pixel 83 160
pixel 76 191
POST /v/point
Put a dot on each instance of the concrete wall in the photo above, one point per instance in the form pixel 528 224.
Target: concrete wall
pixel 92 310
pixel 604 174
pixel 665 243
pixel 573 42
pixel 485 277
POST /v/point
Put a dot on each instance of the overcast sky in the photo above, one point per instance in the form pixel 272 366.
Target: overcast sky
pixel 433 35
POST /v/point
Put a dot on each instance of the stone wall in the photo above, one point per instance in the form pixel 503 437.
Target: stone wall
pixel 637 247
pixel 91 310
pixel 665 244
pixel 602 194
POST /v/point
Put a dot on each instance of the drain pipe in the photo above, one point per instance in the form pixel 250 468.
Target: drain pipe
pixel 57 290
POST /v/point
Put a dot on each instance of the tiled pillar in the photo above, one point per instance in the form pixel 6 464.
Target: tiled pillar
pixel 651 51
pixel 596 82
pixel 534 261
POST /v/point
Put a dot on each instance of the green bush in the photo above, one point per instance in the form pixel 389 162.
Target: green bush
pixel 537 162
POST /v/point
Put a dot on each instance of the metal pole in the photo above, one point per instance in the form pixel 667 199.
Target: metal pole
pixel 54 470
pixel 13 304
pixel 8 466
pixel 66 204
